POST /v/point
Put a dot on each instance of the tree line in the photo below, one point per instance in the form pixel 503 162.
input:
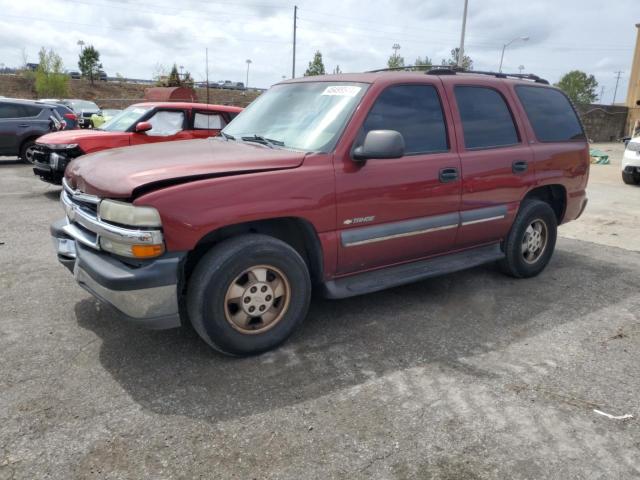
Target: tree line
pixel 579 86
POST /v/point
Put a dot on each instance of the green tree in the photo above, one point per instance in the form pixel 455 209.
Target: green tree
pixel 187 80
pixel 579 87
pixel 395 61
pixel 51 81
pixel 174 77
pixel 89 63
pixel 423 63
pixel 316 67
pixel 452 61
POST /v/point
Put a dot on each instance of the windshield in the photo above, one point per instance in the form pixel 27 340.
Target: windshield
pixel 306 116
pixel 83 105
pixel 125 119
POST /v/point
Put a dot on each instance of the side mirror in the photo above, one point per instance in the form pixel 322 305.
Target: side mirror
pixel 142 127
pixel 380 144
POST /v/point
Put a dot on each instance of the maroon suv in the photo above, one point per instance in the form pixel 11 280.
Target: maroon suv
pixel 347 184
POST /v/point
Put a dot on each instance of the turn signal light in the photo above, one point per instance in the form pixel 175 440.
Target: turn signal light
pixel 146 251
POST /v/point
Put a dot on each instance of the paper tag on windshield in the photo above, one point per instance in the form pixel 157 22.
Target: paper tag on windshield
pixel 342 90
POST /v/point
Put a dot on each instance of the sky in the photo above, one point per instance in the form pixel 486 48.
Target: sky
pixel 136 38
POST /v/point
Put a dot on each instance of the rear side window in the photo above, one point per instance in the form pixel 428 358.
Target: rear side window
pixel 551 115
pixel 207 121
pixel 486 118
pixel 414 111
pixel 12 110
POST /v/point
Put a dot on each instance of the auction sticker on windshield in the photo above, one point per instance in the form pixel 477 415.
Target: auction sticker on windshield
pixel 342 90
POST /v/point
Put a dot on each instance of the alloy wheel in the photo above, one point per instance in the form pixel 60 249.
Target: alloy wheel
pixel 257 299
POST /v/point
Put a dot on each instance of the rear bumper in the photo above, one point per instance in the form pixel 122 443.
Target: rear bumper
pixel 146 295
pixel 576 205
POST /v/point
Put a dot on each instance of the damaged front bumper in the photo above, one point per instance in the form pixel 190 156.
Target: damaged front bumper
pixel 145 293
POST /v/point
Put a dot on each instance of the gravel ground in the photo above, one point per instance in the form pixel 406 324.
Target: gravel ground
pixel 469 376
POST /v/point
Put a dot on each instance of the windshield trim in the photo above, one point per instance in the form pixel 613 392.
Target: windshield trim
pixel 347 122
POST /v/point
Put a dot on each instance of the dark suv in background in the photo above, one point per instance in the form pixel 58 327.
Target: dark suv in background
pixel 22 122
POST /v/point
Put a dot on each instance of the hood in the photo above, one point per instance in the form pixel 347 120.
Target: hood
pixel 118 172
pixel 77 136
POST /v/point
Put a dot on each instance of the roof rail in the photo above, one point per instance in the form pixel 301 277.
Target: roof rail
pixel 521 76
pixel 406 68
pixel 453 70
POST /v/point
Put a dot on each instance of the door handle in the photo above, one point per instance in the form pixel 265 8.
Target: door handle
pixel 448 175
pixel 519 166
pixel 23 125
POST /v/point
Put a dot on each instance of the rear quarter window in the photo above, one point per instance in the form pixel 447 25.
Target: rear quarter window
pixel 551 114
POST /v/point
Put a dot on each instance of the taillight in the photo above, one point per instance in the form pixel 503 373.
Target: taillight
pixel 70 116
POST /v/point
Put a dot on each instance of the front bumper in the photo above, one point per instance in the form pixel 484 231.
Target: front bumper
pixel 50 165
pixel 146 294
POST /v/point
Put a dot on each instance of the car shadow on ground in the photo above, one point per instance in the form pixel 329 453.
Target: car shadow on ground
pixel 53 194
pixel 10 162
pixel 345 343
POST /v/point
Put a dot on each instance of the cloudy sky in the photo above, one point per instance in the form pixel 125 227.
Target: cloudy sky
pixel 134 37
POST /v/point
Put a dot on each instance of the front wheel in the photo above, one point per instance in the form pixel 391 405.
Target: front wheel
pixel 531 241
pixel 26 151
pixel 248 294
pixel 631 178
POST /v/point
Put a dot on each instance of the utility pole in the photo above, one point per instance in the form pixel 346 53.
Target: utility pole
pixel 295 26
pixel 601 94
pixel 207 71
pixel 616 89
pixel 464 27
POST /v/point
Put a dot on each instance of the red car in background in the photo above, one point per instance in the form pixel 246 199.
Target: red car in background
pixel 138 124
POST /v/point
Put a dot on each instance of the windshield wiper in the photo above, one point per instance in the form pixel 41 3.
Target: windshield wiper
pixel 264 141
pixel 226 136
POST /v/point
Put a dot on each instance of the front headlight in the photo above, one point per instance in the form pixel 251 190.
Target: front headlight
pixel 128 214
pixel 60 146
pixel 633 146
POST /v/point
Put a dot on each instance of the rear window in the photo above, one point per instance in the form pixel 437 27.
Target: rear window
pixel 550 113
pixel 486 118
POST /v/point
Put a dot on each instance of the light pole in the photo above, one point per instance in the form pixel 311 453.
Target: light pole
pixel 521 69
pixel 464 27
pixel 81 43
pixel 504 47
pixel 246 85
pixel 181 68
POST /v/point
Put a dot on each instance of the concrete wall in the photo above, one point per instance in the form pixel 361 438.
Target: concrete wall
pixel 603 123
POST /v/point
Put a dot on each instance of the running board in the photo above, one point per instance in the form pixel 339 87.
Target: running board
pixel 411 272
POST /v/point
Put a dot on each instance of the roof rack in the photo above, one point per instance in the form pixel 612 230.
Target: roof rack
pixel 453 70
pixel 520 76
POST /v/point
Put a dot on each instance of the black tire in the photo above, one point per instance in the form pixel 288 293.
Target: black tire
pixel 220 267
pixel 24 147
pixel 631 178
pixel 514 263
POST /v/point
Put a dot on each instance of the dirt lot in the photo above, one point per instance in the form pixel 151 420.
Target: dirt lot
pixel 469 376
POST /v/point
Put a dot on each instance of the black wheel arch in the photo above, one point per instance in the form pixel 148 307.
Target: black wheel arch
pixel 297 232
pixel 555 195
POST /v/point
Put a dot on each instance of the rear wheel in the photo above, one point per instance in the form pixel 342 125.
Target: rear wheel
pixel 631 178
pixel 248 294
pixel 532 239
pixel 26 151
